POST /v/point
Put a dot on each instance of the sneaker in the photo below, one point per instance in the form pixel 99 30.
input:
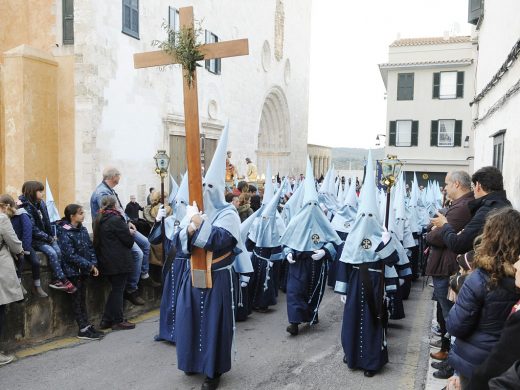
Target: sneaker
pixel 436 343
pixel 134 298
pixel 69 287
pixel 58 285
pixel 38 291
pixel 444 373
pixel 5 359
pixel 89 334
pixel 436 330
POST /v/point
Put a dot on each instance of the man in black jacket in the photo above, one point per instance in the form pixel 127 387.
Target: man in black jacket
pixel 488 188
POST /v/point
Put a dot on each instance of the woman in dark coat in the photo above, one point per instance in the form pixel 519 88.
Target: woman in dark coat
pixel 113 242
pixel 487 296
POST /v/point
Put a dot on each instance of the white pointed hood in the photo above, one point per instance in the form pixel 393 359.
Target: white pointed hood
pixel 54 215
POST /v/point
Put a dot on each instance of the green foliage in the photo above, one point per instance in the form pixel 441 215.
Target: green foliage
pixel 182 45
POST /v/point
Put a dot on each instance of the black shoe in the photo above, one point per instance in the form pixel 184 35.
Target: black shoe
pixel 150 282
pixel 369 373
pixel 444 373
pixel 134 298
pixel 189 373
pixel 439 365
pixel 89 334
pixel 210 383
pixel 104 325
pixel 345 360
pixel 293 329
pixel 125 325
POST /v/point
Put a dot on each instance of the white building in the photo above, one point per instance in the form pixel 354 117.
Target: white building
pixel 496 104
pixel 124 115
pixel 429 84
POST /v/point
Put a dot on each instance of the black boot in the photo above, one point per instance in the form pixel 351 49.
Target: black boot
pixel 369 373
pixel 211 383
pixel 293 329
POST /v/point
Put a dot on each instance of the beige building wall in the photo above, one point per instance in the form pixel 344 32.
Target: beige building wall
pixel 423 57
pixel 36 99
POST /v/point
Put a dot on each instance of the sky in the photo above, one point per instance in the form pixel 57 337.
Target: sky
pixel 347 106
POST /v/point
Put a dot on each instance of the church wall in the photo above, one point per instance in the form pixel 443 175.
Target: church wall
pixel 121 113
pixel 497 35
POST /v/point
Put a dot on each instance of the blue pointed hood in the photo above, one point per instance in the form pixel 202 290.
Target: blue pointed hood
pixel 309 229
pixel 182 199
pixel 173 192
pixel 293 205
pixel 366 234
pixel 345 216
pixel 268 185
pixel 269 230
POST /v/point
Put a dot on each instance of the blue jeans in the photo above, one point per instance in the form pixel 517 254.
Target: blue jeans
pixel 53 253
pixel 141 253
pixel 440 293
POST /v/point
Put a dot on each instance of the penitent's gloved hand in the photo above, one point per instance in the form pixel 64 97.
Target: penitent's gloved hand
pixel 192 210
pixel 290 259
pixel 318 255
pixel 386 237
pixel 161 213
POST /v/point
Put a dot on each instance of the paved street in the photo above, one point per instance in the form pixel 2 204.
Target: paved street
pixel 267 357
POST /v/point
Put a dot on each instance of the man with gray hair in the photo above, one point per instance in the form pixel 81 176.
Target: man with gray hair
pixel 141 247
pixel 442 262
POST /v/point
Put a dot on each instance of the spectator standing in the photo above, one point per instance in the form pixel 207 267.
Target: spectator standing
pixel 487 295
pixel 141 247
pixel 10 290
pixel 132 209
pixel 113 243
pixel 79 261
pixel 43 236
pixel 148 200
pixel 244 206
pixel 489 195
pixel 22 226
pixel 442 262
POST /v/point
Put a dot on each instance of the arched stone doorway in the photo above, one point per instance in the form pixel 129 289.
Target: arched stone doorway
pixel 274 135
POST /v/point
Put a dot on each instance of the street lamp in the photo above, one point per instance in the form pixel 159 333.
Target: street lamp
pixel 378 142
pixel 162 161
pixel 390 169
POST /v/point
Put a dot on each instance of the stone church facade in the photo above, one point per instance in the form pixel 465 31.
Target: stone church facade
pixel 91 108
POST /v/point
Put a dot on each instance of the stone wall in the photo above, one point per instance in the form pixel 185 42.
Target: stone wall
pixel 36 320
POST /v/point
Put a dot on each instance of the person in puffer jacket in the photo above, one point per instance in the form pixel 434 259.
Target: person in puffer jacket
pixel 487 295
pixel 79 261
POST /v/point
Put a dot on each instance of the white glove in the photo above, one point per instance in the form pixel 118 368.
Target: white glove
pixel 204 217
pixel 290 259
pixel 161 213
pixel 318 255
pixel 243 284
pixel 343 299
pixel 192 210
pixel 386 237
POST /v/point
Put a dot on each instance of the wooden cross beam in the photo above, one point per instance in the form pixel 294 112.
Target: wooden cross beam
pixel 200 263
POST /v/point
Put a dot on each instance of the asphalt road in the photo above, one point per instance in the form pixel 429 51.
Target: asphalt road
pixel 267 358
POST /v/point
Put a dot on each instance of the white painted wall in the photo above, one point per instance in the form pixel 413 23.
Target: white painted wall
pixel 497 35
pixel 424 108
pixel 120 110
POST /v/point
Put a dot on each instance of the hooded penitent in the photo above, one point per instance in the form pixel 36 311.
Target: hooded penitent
pixel 218 211
pixel 182 198
pixel 309 230
pixel 366 234
pixel 293 205
pixel 268 230
pixel 346 215
pixel 174 188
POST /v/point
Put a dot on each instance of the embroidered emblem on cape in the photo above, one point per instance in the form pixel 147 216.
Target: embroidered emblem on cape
pixel 366 243
pixel 346 225
pixel 315 238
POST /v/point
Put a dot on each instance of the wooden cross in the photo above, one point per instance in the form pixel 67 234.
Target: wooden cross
pixel 200 263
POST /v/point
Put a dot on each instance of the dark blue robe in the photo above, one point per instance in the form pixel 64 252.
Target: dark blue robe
pixel 363 335
pixel 306 283
pixel 205 318
pixel 331 280
pixel 172 274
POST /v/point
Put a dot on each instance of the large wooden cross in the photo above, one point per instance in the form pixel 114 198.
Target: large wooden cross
pixel 200 263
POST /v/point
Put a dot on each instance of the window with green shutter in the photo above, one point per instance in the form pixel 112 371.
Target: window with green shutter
pixel 68 22
pixel 405 86
pixel 213 66
pixel 415 133
pixel 131 18
pixel 436 85
pixel 392 130
pixel 460 84
pixel 498 149
pixel 458 134
pixel 434 133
